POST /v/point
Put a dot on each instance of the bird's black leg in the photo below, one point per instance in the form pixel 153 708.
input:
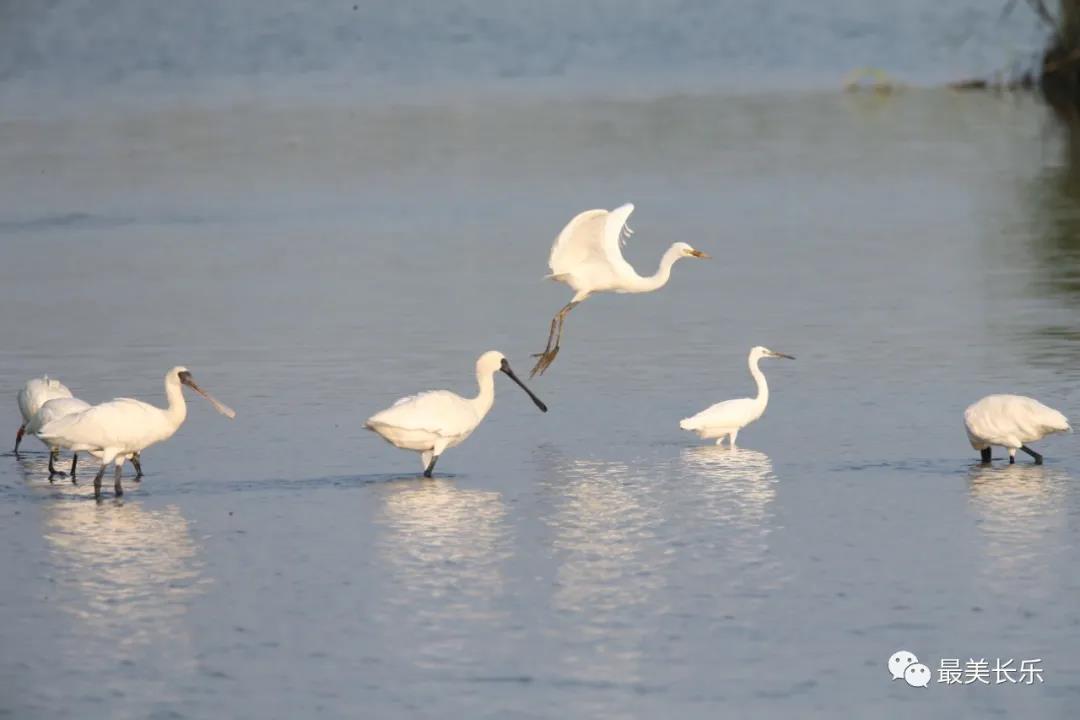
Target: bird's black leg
pixel 74 462
pixel 118 489
pixel 985 452
pixel 548 356
pixel 431 466
pixel 18 438
pixel 138 466
pixel 53 472
pixel 97 480
pixel 1032 453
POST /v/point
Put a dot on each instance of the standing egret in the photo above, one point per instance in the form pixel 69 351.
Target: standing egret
pixel 1011 421
pixel 728 417
pixel 53 410
pixel 431 422
pixel 587 256
pixel 32 396
pixel 118 430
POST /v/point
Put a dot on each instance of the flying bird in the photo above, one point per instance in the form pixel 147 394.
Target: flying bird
pixel 120 429
pixel 587 256
pixel 1011 421
pixel 729 417
pixel 431 422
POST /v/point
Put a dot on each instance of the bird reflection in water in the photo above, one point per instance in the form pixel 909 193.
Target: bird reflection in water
pixel 731 493
pixel 128 576
pixel 444 549
pixel 1021 508
pixel 611 565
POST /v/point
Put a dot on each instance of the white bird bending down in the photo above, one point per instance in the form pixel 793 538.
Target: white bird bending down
pixel 1011 421
pixel 118 430
pixel 32 396
pixel 433 421
pixel 587 256
pixel 53 410
pixel 728 417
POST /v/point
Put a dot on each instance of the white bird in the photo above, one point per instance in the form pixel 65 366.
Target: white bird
pixel 118 430
pixel 587 256
pixel 1011 421
pixel 431 422
pixel 728 417
pixel 53 410
pixel 32 396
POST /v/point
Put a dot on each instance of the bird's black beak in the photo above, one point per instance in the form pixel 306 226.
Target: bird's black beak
pixel 510 373
pixel 784 355
pixel 186 379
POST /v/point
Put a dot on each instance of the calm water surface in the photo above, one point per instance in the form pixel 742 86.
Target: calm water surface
pixel 310 265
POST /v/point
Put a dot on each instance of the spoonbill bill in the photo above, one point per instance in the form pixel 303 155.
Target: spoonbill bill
pixel 587 256
pixel 727 418
pixel 32 396
pixel 118 430
pixel 1011 421
pixel 431 422
pixel 53 410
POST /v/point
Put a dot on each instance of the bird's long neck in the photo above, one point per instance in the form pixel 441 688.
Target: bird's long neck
pixel 176 412
pixel 662 275
pixel 762 398
pixel 486 397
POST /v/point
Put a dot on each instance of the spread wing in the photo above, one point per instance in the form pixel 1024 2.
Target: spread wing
pixel 123 422
pixel 727 414
pixel 437 411
pixel 593 237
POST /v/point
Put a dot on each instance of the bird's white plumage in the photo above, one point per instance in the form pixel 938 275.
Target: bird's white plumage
pixel 587 256
pixel 430 422
pixel 419 420
pixel 54 410
pixel 37 392
pixel 725 419
pixel 124 426
pixel 1011 421
pixel 587 253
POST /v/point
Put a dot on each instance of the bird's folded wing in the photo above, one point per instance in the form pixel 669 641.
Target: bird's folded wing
pixel 436 411
pixel 104 425
pixel 730 413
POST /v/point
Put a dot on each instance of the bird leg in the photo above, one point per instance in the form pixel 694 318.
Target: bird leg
pixel 1032 453
pixel 74 462
pixel 554 336
pixel 138 466
pixel 431 466
pixel 97 480
pixel 118 489
pixel 18 438
pixel 985 454
pixel 53 472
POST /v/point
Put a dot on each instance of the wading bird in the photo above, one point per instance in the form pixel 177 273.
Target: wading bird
pixel 1011 421
pixel 433 421
pixel 118 430
pixel 32 396
pixel 53 410
pixel 728 417
pixel 587 256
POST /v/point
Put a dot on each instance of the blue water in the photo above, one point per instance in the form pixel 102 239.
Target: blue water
pixel 410 48
pixel 319 210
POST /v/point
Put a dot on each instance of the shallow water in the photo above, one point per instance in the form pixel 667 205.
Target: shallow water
pixel 310 265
